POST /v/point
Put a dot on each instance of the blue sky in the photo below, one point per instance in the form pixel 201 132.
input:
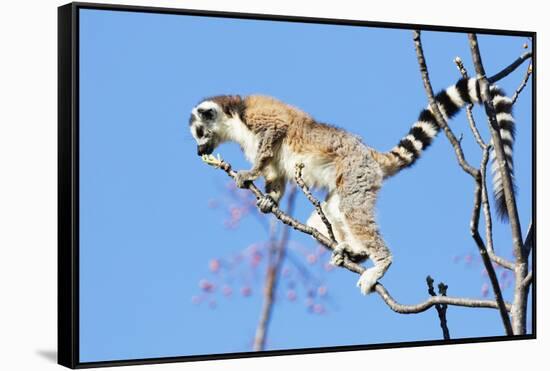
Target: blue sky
pixel 147 232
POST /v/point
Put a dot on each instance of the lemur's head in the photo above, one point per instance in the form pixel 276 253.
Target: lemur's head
pixel 204 124
pixel 210 121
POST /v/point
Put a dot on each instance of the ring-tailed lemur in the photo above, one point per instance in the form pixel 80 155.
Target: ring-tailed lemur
pixel 275 137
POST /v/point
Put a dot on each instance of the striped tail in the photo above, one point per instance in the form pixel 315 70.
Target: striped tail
pixel 425 129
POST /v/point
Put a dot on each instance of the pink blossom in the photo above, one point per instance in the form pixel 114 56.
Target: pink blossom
pixel 322 290
pixel 206 285
pixel 485 289
pixel 214 265
pixel 236 213
pixel 255 259
pixel 291 295
pixel 246 291
pixel 319 308
pixel 312 259
pixel 468 259
pixel 253 248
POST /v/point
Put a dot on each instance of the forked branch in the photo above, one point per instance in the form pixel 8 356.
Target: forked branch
pixel 477 174
pixel 484 195
pixel 441 308
pixel 519 318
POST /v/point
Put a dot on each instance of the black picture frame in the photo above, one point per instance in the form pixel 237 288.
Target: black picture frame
pixel 68 181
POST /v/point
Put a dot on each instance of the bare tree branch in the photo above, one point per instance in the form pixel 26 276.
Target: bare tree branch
pixel 475 173
pixel 484 195
pixel 469 113
pixel 277 252
pixel 520 293
pixel 313 200
pixel 511 68
pixel 523 83
pixel 474 229
pixel 441 308
pixel 348 264
pixel 528 279
pixel 435 109
pixel 418 308
pixel 489 222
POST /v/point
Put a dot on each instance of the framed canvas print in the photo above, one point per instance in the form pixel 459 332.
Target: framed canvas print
pixel 239 185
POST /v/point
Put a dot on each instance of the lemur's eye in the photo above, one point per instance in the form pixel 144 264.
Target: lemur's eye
pixel 207 114
pixel 200 132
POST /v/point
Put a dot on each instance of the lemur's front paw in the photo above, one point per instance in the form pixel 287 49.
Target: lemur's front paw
pixel 339 254
pixel 242 178
pixel 265 204
pixel 367 281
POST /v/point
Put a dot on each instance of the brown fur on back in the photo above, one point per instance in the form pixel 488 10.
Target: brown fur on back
pixel 302 133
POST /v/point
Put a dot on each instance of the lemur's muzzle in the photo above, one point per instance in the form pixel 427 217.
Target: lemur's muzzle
pixel 205 149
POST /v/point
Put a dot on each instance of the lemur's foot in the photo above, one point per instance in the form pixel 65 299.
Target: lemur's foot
pixel 265 204
pixel 339 254
pixel 367 281
pixel 243 178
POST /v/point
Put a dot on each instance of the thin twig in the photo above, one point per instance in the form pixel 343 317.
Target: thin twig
pixel 528 280
pixel 474 229
pixel 469 108
pixel 523 83
pixel 441 308
pixel 277 255
pixel 348 264
pixel 300 181
pixel 435 109
pixel 519 317
pixel 511 68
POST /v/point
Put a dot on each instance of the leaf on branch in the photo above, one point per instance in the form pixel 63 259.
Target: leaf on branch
pixel 212 161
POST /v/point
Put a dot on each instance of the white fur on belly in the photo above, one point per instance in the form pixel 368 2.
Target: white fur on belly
pixel 317 173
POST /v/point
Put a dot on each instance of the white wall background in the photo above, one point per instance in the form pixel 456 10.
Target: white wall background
pixel 28 181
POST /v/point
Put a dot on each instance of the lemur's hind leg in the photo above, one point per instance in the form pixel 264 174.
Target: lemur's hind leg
pixel 357 191
pixel 381 257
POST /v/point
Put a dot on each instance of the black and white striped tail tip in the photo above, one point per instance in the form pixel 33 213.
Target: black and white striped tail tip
pixel 503 109
pixel 450 101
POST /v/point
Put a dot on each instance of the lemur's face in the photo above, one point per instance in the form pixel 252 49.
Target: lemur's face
pixel 204 126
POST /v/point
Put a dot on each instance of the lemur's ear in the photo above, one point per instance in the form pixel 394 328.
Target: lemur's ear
pixel 207 114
